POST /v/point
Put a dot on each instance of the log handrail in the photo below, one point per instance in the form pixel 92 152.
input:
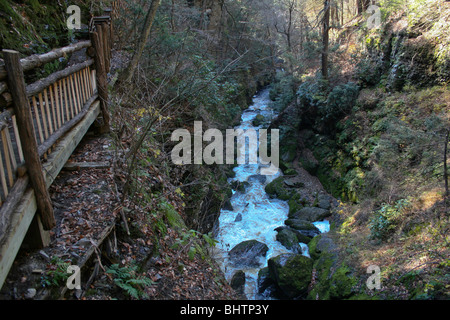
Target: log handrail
pixel 38 60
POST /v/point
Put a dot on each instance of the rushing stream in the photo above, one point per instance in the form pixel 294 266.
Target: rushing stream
pixel 255 215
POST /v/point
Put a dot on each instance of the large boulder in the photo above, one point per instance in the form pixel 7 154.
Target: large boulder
pixel 324 201
pixel 238 282
pixel 291 273
pixel 311 214
pixel 278 189
pixel 290 238
pixel 248 253
pixel 265 282
pixel 304 227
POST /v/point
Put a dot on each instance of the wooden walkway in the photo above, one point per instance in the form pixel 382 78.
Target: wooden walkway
pixel 41 124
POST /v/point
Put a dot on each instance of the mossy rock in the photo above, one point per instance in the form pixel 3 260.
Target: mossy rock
pixel 238 281
pixel 290 238
pixel 292 273
pixel 258 120
pixel 264 280
pixel 342 283
pixel 240 186
pixel 306 228
pixel 294 206
pixel 311 214
pixel 248 253
pixel 278 189
pixel 333 280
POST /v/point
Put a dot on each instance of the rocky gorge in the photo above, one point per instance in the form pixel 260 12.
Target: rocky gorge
pixel 276 235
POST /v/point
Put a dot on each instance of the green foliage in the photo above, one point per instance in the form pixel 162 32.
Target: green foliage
pixel 340 101
pixel 368 72
pixel 56 274
pixel 129 280
pixel 282 92
pixel 386 219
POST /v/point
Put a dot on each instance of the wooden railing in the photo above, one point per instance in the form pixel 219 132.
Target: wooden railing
pixel 39 123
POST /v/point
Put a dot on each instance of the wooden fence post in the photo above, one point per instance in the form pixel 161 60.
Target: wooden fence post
pixel 16 85
pixel 101 72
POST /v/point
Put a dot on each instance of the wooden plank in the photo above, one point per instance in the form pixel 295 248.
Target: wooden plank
pixel 84 85
pixel 87 165
pixel 56 105
pixel 43 116
pixel 102 85
pixel 18 143
pixel 65 147
pixel 20 221
pixel 80 85
pixel 74 95
pixel 37 118
pixel 53 108
pixel 47 111
pixel 11 153
pixel 88 80
pixel 77 91
pixel 69 94
pixel 7 153
pixel 3 178
pixel 16 84
pixel 66 104
pixel 94 84
pixel 11 202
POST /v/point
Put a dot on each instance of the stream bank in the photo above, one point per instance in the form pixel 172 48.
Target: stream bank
pixel 274 237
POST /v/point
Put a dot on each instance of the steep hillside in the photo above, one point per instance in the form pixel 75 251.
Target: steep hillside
pixel 375 137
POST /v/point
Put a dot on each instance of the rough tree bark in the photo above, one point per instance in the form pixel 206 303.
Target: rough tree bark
pixel 127 74
pixel 325 40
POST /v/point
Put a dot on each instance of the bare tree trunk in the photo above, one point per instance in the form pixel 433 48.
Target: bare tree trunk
pixel 445 165
pixel 362 5
pixel 127 74
pixel 326 29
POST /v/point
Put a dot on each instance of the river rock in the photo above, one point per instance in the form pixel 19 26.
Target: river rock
pixel 258 177
pixel 304 227
pixel 264 280
pixel 311 214
pixel 247 253
pixel 278 189
pixel 227 205
pixel 291 273
pixel 238 281
pixel 238 217
pixel 294 182
pixel 324 201
pixel 285 237
pixel 240 186
pixel 258 120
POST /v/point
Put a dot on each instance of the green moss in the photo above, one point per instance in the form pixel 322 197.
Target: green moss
pixel 323 266
pixel 172 216
pixel 342 283
pixel 278 189
pixel 312 247
pixel 291 272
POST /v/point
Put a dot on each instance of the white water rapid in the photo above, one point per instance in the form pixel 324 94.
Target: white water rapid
pixel 260 214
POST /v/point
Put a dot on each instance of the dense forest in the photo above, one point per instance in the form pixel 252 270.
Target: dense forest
pixel 360 94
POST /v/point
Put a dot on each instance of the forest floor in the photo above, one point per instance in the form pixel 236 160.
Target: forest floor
pixel 87 210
